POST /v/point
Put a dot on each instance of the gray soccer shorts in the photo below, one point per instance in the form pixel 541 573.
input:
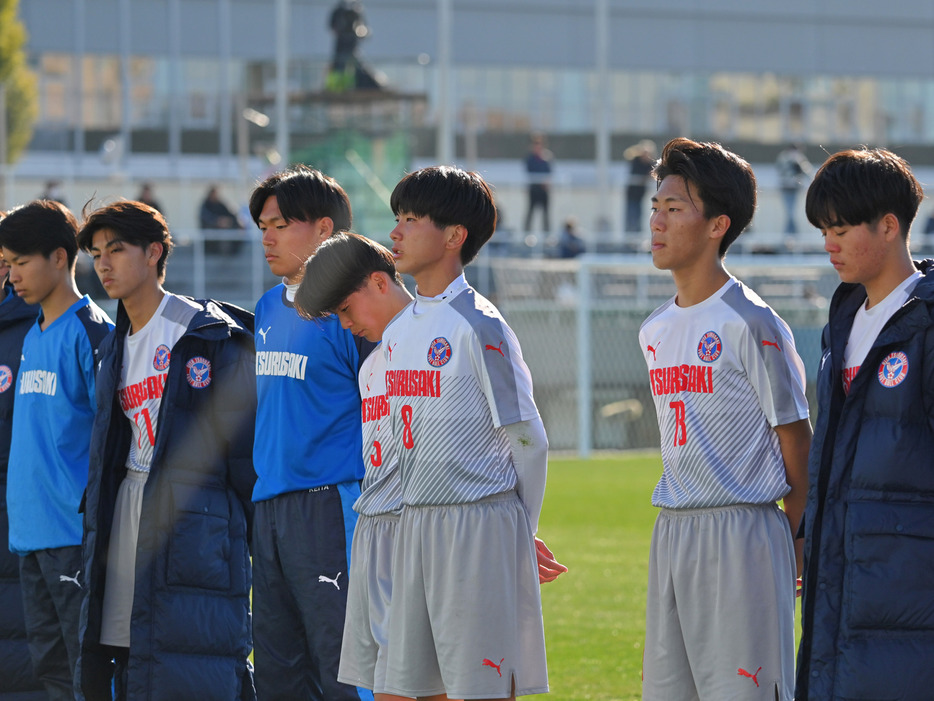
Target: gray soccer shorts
pixel 121 561
pixel 466 616
pixel 366 623
pixel 721 606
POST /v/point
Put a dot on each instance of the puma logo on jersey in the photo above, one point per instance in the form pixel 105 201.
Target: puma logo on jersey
pixel 652 349
pixel 322 578
pixel 498 349
pixel 490 663
pixel 66 578
pixel 263 333
pixel 389 348
pixel 770 343
pixel 743 673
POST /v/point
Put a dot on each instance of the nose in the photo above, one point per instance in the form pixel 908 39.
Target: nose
pixel 395 234
pixel 656 221
pixel 345 322
pixel 830 245
pixel 267 238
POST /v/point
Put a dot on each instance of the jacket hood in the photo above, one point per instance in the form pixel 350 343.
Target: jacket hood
pixel 13 308
pixel 215 319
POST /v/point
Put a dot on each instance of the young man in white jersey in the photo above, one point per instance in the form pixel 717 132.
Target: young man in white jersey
pixel 355 278
pixel 308 452
pixel 167 571
pixel 867 622
pixel 729 393
pixel 52 418
pixel 466 611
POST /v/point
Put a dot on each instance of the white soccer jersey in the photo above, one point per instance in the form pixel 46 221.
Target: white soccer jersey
pixel 382 489
pixel 146 356
pixel 723 373
pixel 455 376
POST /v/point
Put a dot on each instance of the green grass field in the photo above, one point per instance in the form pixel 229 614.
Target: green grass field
pixel 598 520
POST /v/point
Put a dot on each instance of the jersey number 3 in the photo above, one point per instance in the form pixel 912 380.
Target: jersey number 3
pixel 681 431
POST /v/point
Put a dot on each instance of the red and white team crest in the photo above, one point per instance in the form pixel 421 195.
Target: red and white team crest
pixel 198 372
pixel 161 360
pixel 439 352
pixel 710 347
pixel 893 370
pixel 6 378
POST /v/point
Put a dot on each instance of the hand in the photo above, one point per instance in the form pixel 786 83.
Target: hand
pixel 548 567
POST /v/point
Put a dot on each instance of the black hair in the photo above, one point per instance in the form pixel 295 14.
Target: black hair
pixel 132 222
pixel 860 186
pixel 41 226
pixel 304 194
pixel 341 266
pixel 724 182
pixel 449 196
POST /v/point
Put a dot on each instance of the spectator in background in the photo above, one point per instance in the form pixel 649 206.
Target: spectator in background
pixel 53 191
pixel 570 244
pixel 538 165
pixel 792 166
pixel 215 215
pixel 19 681
pixel 146 197
pixel 641 159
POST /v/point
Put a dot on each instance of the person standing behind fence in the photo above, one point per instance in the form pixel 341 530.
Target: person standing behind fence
pixel 641 159
pixel 538 165
pixel 792 167
pixel 215 215
pixel 728 387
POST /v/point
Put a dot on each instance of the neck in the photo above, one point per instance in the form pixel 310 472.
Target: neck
pixel 699 282
pixel 892 276
pixel 141 306
pixel 433 282
pixel 58 301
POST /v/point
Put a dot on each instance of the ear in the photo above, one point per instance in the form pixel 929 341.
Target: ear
pixel 324 227
pixel 889 227
pixel 456 236
pixel 719 225
pixel 155 252
pixel 379 280
pixel 59 258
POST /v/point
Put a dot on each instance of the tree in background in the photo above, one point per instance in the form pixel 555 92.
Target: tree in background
pixel 19 80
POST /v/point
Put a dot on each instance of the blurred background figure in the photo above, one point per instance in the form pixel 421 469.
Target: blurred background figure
pixel 53 191
pixel 538 166
pixel 146 196
pixel 792 167
pixel 641 158
pixel 215 215
pixel 570 243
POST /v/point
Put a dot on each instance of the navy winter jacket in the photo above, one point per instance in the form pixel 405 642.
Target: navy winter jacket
pixel 868 606
pixel 17 680
pixel 191 630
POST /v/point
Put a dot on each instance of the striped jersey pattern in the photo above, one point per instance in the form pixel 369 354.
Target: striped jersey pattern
pixel 455 376
pixel 381 489
pixel 722 373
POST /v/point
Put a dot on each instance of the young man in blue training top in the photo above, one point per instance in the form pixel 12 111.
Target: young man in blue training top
pixel 16 318
pixel 307 453
pixel 167 571
pixel 867 620
pixel 52 422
